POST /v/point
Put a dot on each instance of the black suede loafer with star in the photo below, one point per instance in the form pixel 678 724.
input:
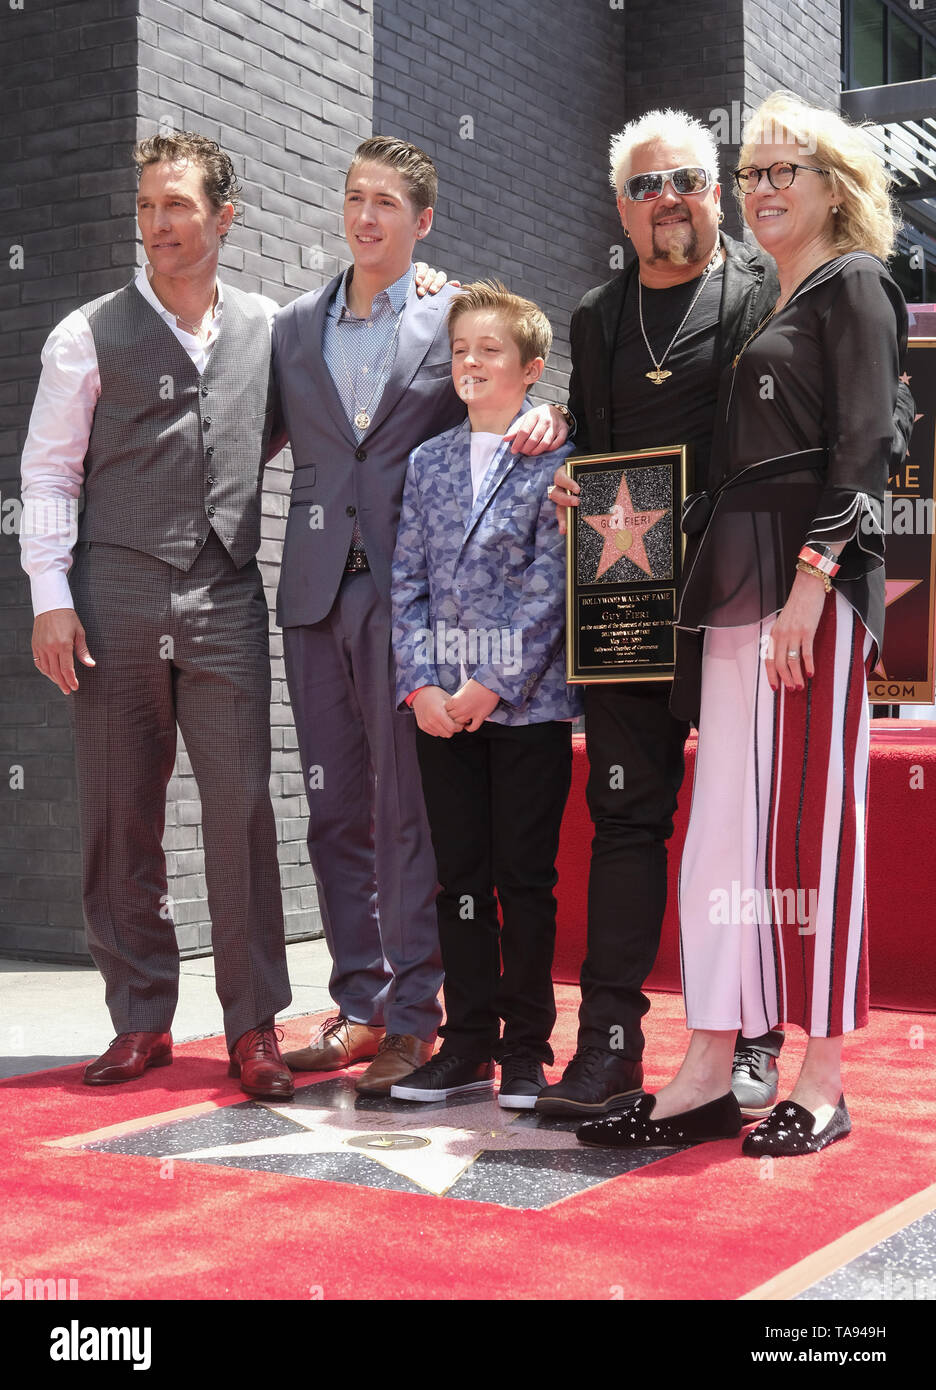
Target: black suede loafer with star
pixel 788 1130
pixel 636 1129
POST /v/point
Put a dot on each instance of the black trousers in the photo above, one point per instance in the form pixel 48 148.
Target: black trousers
pixel 495 800
pixel 636 765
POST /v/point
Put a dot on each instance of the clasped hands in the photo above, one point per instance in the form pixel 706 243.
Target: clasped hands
pixel 443 715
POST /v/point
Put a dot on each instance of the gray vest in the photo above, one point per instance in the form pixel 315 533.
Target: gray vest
pixel 171 453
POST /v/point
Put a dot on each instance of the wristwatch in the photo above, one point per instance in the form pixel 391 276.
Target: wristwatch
pixel 566 414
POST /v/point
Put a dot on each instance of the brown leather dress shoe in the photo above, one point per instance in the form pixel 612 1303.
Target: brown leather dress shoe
pixel 128 1057
pixel 256 1059
pixel 398 1055
pixel 339 1043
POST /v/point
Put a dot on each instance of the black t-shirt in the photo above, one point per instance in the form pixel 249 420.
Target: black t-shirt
pixel 682 409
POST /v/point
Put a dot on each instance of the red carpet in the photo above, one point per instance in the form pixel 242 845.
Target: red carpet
pixel 707 1223
pixel 901 870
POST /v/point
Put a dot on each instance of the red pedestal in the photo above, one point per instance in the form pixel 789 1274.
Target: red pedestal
pixel 901 869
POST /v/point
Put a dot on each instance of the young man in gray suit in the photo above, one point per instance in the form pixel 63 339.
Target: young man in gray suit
pixel 363 371
pixel 156 400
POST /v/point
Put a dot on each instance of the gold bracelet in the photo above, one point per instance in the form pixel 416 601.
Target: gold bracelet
pixel 805 567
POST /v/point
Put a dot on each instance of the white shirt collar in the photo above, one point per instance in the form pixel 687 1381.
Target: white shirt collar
pixel 142 283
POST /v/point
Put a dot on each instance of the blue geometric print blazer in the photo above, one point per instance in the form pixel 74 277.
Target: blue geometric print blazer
pixel 482 586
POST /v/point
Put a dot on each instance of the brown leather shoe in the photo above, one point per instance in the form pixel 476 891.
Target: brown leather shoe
pixel 128 1057
pixel 256 1059
pixel 338 1043
pixel 398 1055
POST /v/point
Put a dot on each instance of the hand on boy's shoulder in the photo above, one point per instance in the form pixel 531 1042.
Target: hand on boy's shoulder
pixel 538 431
pixel 430 281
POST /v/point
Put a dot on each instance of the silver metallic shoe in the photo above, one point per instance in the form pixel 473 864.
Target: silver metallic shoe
pixel 754 1073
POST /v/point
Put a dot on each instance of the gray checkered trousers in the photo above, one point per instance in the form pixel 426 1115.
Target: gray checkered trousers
pixel 166 583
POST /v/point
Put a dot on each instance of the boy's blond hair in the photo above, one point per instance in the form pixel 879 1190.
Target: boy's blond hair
pixel 525 321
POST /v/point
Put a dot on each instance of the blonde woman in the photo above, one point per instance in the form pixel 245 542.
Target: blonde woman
pixel 787 585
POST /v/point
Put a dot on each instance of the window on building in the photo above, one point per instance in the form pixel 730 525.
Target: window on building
pixel 903 51
pixel 866 68
pixel 882 45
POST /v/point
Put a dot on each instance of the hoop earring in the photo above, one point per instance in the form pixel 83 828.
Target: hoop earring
pixel 626 232
pixel 721 217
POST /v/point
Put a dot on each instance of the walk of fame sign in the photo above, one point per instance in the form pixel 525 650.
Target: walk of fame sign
pixel 624 555
pixel 906 673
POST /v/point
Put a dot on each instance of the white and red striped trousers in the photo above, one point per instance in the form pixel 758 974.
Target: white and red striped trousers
pixel 771 896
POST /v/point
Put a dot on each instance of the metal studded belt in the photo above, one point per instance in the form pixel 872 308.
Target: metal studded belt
pixel 356 562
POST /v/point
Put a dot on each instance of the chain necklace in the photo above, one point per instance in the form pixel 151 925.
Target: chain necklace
pixel 196 328
pixel 776 308
pixel 763 324
pixel 658 376
pixel 362 418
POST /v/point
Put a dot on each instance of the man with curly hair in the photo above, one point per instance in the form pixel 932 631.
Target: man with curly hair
pixel 155 399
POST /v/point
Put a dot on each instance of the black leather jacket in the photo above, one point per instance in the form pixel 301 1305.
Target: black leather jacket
pixel 749 290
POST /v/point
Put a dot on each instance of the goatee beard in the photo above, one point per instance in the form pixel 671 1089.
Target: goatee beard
pixel 678 254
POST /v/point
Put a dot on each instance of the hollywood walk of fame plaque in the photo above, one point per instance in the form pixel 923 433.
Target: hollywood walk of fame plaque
pixel 624 554
pixel 906 672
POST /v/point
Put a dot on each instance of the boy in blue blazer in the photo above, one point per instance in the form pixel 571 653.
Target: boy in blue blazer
pixel 478 599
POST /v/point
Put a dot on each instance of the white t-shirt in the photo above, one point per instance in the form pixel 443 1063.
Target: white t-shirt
pixel 483 448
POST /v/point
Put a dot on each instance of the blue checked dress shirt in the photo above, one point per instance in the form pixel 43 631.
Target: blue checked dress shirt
pixel 355 351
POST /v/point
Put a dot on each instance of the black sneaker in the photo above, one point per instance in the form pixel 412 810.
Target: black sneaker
pixel 595 1082
pixel 522 1079
pixel 442 1076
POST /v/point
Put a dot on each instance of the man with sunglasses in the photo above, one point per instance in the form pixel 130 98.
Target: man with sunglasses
pixel 647 351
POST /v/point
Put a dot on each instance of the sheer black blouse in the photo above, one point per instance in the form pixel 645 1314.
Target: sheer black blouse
pixel 803 442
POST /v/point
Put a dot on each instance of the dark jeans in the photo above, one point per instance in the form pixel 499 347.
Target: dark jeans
pixel 495 800
pixel 636 764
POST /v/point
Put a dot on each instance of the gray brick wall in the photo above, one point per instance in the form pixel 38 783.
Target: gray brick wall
pixel 68 104
pixel 794 44
pixel 286 88
pixel 703 73
pixel 515 104
pixel 730 55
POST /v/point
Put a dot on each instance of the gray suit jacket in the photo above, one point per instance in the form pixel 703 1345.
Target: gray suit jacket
pixel 335 477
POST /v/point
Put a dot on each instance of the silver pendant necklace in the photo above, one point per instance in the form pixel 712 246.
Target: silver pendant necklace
pixel 362 418
pixel 196 328
pixel 658 375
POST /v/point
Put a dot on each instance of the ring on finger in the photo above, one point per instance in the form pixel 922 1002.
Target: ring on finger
pixel 792 654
